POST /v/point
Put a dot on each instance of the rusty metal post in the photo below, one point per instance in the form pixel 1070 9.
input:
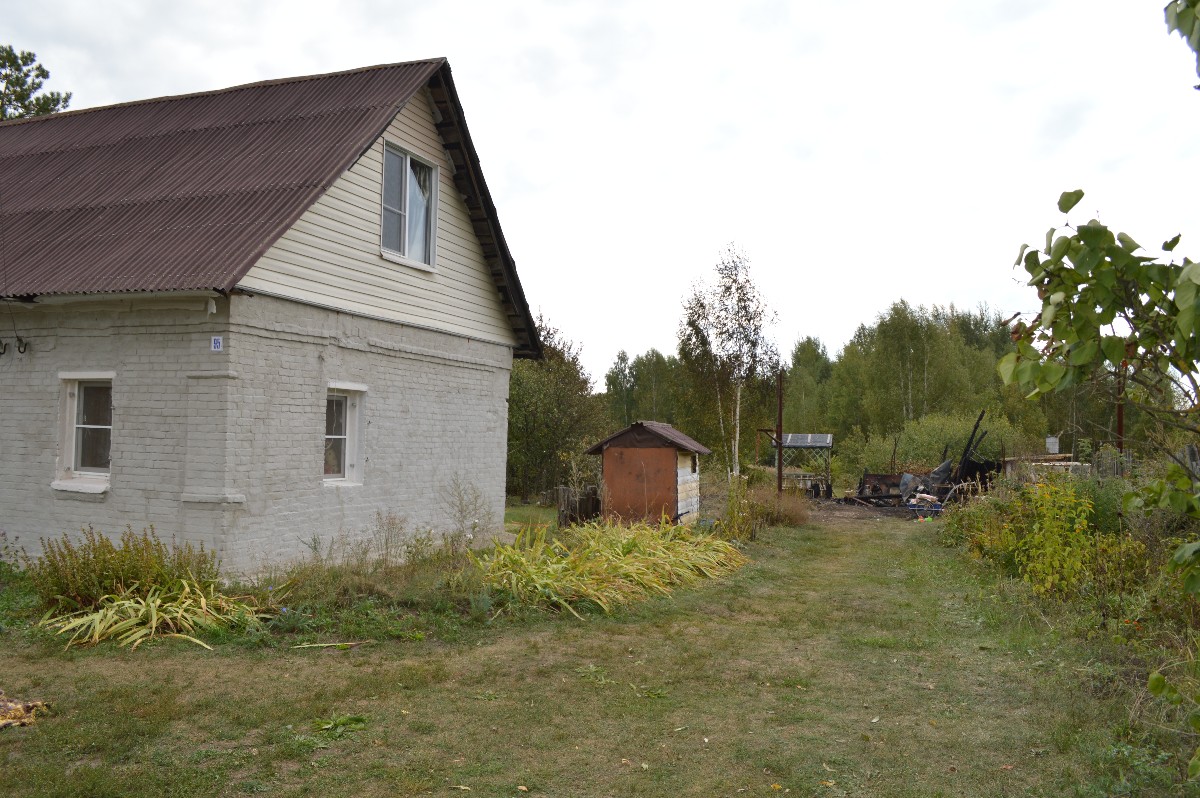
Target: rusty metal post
pixel 1121 412
pixel 779 435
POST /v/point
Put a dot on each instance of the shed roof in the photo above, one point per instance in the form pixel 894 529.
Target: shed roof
pixel 188 192
pixel 651 433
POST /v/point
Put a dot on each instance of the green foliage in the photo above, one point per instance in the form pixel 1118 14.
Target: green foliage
pixel 723 337
pixel 80 574
pixel 920 444
pixel 1183 17
pixel 1054 536
pixel 1055 556
pixel 179 610
pixel 21 80
pixel 552 415
pixel 603 566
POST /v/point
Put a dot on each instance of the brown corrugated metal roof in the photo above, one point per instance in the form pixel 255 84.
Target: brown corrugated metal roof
pixel 642 433
pixel 186 193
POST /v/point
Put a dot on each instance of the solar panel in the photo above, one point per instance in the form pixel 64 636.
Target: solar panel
pixel 808 440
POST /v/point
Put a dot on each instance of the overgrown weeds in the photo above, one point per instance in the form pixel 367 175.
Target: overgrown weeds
pixel 1068 539
pixel 179 610
pixel 78 575
pixel 604 566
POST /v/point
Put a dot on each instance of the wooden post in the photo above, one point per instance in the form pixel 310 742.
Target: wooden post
pixel 779 435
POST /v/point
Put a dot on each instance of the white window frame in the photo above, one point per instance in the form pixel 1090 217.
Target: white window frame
pixel 355 395
pixel 401 255
pixel 71 476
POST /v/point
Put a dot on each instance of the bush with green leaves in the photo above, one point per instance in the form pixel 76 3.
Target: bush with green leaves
pixel 78 574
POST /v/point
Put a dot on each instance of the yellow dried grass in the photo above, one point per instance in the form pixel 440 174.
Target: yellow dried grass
pixel 603 565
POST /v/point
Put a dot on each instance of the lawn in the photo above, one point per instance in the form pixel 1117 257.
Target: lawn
pixel 853 656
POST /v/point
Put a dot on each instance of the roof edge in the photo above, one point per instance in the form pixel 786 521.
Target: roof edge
pixel 436 62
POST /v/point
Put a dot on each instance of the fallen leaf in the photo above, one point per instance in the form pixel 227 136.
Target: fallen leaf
pixel 1006 767
pixel 933 723
pixel 831 770
pixel 461 787
pixel 875 719
pixel 522 788
pixel 645 766
pixel 626 762
pixel 706 741
pixel 829 783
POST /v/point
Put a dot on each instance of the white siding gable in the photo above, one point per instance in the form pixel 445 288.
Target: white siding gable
pixel 331 257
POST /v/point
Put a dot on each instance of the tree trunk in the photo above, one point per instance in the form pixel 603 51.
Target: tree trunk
pixel 721 422
pixel 737 426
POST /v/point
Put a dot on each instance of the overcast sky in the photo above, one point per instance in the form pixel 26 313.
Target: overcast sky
pixel 858 152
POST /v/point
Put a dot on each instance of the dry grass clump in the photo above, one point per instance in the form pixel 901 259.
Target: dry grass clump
pixel 134 590
pixel 604 566
pixel 789 509
pixel 80 574
pixel 180 610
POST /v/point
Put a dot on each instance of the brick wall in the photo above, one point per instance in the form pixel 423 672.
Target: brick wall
pixel 227 448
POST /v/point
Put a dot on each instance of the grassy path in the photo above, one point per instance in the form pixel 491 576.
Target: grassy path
pixel 853 657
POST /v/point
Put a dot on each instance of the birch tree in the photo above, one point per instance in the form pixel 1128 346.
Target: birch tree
pixel 726 324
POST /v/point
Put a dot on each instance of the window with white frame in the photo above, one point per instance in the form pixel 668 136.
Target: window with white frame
pixel 409 221
pixel 86 432
pixel 343 407
pixel 92 427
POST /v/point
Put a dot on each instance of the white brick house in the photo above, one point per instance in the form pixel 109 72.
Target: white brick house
pixel 254 315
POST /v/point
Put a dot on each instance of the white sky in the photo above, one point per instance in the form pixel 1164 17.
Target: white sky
pixel 859 152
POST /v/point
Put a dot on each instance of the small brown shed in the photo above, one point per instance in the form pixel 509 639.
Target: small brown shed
pixel 651 470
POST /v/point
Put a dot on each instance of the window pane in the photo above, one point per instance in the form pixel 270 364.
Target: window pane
pixel 393 180
pixel 420 197
pixel 95 405
pixel 91 447
pixel 392 224
pixel 335 457
pixel 335 416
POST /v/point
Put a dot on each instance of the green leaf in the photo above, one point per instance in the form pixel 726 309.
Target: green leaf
pixel 1127 243
pixel 1156 683
pixel 1049 239
pixel 1084 353
pixel 1185 300
pixel 1169 246
pixel 1194 765
pixel 1020 255
pixel 1059 248
pixel 1069 199
pixel 1114 349
pixel 1049 310
pixel 1033 264
pixel 1051 375
pixel 1191 272
pixel 1006 366
pixel 1191 583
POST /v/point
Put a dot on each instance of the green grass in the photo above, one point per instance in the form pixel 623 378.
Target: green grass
pixel 520 516
pixel 851 657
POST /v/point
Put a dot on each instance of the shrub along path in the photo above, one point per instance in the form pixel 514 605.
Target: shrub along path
pixel 852 657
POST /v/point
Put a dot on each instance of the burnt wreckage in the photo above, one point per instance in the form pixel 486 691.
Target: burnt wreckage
pixel 925 493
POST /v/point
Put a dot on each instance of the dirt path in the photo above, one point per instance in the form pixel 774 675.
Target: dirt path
pixel 853 657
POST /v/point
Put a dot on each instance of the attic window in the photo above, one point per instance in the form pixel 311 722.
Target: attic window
pixel 409 221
